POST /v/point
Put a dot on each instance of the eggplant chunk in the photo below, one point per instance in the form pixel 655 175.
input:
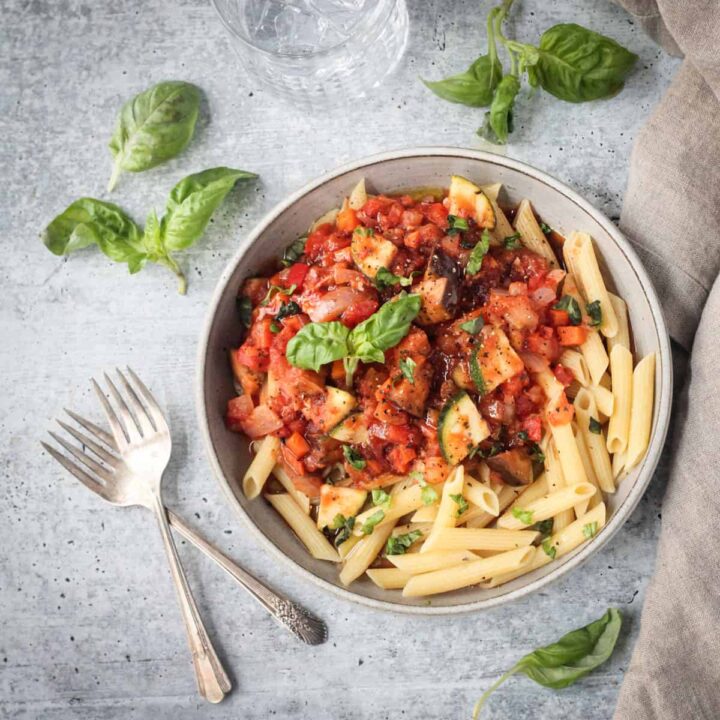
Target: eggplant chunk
pixel 514 466
pixel 439 289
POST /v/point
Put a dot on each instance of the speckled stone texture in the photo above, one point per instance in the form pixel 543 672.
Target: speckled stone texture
pixel 89 625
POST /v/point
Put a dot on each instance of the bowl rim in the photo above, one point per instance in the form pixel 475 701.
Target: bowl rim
pixel 664 399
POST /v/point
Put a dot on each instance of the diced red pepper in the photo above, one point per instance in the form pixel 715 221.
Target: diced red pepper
pixel 296 275
pixel 297 445
pixel 347 220
pixel 558 317
pixel 572 335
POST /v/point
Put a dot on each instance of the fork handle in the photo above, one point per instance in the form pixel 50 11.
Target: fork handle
pixel 213 682
pixel 292 616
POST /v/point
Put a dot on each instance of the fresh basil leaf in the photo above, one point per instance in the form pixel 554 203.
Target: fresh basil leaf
pixel 474 87
pixel 524 516
pixel 354 457
pixel 590 529
pixel 344 526
pixel 369 525
pixel 564 662
pixel 275 327
pixel 478 253
pixel 384 329
pixel 293 252
pixel 577 64
pixel 380 497
pixel 522 436
pixel 407 368
pixel 338 522
pixel 549 549
pixel 544 527
pixel 193 201
pixel 545 228
pixel 398 544
pixel 317 344
pixel 512 242
pixel 244 308
pixel 153 127
pixel 474 326
pixel 499 119
pixel 457 224
pixel 594 311
pixel 288 309
pixel 595 426
pixel 461 502
pixel 536 453
pixel 94 222
pixel 571 307
pixel 385 279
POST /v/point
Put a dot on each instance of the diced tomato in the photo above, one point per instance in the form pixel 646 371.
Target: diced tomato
pixel 296 275
pixel 532 425
pixel 558 317
pixel 387 412
pixel 543 342
pixel 347 220
pixel 437 213
pixel 291 460
pixel 572 335
pixel 359 310
pixel 400 458
pixel 399 434
pixel 255 289
pixel 412 219
pixel 436 470
pixel 297 445
pixel 316 240
pixel 239 409
pixel 563 374
pixel 255 358
pixel 374 205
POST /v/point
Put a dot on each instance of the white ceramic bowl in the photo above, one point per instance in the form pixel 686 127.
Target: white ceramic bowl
pixel 561 208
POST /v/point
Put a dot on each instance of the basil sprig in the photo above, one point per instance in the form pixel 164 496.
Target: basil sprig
pixel 153 127
pixel 564 662
pixel 317 344
pixel 570 62
pixel 191 204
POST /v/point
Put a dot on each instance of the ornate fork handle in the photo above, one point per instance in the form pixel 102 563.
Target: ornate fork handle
pixel 295 618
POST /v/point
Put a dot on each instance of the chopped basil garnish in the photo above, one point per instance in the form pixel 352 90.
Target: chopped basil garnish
pixel 523 436
pixel 524 516
pixel 461 502
pixel 287 309
pixel 380 497
pixel 344 526
pixel 293 252
pixel 512 242
pixel 545 228
pixel 473 326
pixel 590 529
pixel 407 367
pixel 385 279
pixel 354 457
pixel 245 308
pixel 549 549
pixel 595 426
pixel 364 231
pixel 478 254
pixel 544 527
pixel 457 224
pixel 594 312
pixel 536 453
pixel 274 290
pixel 398 544
pixel 275 327
pixel 571 307
pixel 372 521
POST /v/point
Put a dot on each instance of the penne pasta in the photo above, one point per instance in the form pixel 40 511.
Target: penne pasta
pixel 574 361
pixel 261 466
pixel 556 481
pixel 388 578
pixel 358 196
pixel 621 370
pixel 568 454
pixel 505 496
pixel 580 256
pixel 418 563
pixel 535 490
pixel 589 470
pixel 482 496
pixel 469 573
pixel 547 506
pixel 623 333
pixel 533 237
pixel 483 539
pixel 604 400
pixel 447 514
pixel 427 513
pixel 595 356
pixel 401 504
pixel 304 527
pixel 364 552
pixel 642 407
pixel 588 424
pixel 284 479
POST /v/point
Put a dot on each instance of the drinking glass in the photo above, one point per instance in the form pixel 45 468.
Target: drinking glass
pixel 317 52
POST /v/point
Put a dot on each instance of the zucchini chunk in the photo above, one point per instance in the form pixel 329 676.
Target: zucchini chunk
pixel 469 200
pixel 460 428
pixel 353 429
pixel 439 289
pixel 335 500
pixel 337 406
pixel 371 252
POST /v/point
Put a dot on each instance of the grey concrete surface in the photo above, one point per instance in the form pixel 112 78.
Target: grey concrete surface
pixel 89 626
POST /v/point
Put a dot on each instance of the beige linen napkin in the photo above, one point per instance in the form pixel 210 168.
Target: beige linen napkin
pixel 672 215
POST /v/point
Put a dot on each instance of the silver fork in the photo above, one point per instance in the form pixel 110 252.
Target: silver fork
pixel 130 473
